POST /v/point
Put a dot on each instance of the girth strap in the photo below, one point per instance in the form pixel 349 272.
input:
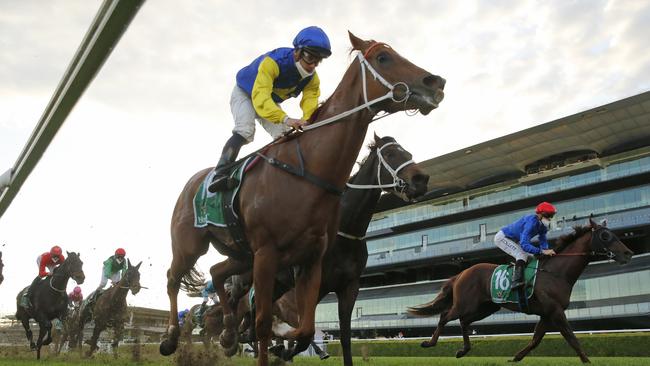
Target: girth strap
pixel 301 172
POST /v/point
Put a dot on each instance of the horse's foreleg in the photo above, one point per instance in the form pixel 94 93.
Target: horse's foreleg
pixel 307 291
pixel 45 327
pixel 347 299
pixel 93 340
pixel 561 322
pixel 181 265
pixel 540 331
pixel 264 271
pixel 220 272
pixel 118 330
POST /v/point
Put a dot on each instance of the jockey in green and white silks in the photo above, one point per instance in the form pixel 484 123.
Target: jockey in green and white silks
pixel 269 80
pixel 113 268
pixel 514 239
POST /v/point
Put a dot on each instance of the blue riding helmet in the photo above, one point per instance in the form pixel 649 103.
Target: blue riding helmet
pixel 313 40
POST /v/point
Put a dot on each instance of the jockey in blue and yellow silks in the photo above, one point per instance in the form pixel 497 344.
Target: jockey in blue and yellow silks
pixel 269 80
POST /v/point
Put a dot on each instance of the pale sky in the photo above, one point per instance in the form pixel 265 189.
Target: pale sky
pixel 158 111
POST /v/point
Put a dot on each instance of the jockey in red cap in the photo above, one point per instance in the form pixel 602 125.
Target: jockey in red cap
pixel 75 297
pixel 514 239
pixel 48 260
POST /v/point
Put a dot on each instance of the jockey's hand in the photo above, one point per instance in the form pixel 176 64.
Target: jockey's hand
pixel 549 252
pixel 296 124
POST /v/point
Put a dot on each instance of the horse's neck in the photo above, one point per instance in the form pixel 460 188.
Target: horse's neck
pixel 338 143
pixel 358 205
pixel 59 281
pixel 572 265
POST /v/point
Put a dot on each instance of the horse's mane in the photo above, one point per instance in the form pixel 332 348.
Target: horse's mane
pixel 564 240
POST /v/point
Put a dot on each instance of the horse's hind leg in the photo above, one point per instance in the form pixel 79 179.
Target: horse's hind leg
pixel 540 330
pixel 445 317
pixel 117 336
pixel 219 273
pixel 45 328
pixel 28 333
pixel 561 322
pixel 484 310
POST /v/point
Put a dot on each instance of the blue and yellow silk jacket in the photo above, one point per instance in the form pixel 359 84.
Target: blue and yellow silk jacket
pixel 273 78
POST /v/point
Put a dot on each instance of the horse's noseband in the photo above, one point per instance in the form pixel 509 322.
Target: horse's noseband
pixel 601 239
pixel 399 185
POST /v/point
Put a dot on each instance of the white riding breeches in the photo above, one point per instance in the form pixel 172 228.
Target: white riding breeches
pixel 245 116
pixel 115 278
pixel 510 247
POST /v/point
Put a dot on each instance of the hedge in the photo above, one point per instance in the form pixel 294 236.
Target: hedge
pixel 594 345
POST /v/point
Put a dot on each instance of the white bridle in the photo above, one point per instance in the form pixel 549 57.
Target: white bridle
pixel 397 181
pixel 389 95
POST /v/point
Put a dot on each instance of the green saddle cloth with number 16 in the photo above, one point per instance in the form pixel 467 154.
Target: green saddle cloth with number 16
pixel 502 279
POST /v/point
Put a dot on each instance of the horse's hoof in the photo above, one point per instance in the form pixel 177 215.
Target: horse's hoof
pixel 513 360
pixel 426 344
pixel 324 356
pixel 461 353
pixel 227 338
pixel 167 347
pixel 47 341
pixel 277 350
pixel 229 352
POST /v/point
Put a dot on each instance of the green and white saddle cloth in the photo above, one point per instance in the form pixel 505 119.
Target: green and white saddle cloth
pixel 208 207
pixel 502 279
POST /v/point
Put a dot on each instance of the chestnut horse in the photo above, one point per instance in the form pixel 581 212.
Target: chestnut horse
pixel 346 258
pixel 380 80
pixel 467 297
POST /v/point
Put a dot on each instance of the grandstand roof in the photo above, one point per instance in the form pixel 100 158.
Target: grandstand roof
pixel 610 128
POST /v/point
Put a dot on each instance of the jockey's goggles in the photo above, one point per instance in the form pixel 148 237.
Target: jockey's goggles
pixel 547 215
pixel 310 59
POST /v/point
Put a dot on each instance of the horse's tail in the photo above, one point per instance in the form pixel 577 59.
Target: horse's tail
pixel 193 281
pixel 442 302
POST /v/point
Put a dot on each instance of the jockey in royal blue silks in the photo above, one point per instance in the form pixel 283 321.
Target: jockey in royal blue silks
pixel 515 239
pixel 270 79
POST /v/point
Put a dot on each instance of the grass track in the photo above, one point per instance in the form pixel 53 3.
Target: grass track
pixel 105 360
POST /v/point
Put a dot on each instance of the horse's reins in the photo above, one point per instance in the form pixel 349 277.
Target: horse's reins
pixel 57 274
pixel 602 247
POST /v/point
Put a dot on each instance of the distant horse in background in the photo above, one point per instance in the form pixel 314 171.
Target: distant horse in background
pixel 212 323
pixel 70 330
pixel 299 236
pixel 110 309
pixel 2 266
pixel 467 296
pixel 49 300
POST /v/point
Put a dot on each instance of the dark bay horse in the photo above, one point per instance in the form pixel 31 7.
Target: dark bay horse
pixel 346 258
pixel 49 300
pixel 110 309
pixel 467 295
pixel 288 220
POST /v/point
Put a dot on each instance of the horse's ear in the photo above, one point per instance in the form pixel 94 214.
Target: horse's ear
pixel 128 262
pixel 68 253
pixel 138 266
pixel 603 222
pixel 0 255
pixel 377 138
pixel 357 43
pixel 592 223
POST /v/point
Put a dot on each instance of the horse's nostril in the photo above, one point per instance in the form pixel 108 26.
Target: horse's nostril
pixel 434 82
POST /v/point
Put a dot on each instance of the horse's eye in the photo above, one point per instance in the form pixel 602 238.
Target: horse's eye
pixel 606 236
pixel 383 58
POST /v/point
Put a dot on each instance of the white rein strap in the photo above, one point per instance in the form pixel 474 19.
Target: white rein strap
pixel 397 181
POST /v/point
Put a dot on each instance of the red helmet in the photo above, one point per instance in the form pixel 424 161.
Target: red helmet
pixel 56 251
pixel 545 208
pixel 120 252
pixel 77 290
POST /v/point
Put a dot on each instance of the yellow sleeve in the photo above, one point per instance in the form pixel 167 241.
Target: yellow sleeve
pixel 262 89
pixel 310 94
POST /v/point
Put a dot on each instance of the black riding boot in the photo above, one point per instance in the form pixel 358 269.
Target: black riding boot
pixel 518 275
pixel 228 155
